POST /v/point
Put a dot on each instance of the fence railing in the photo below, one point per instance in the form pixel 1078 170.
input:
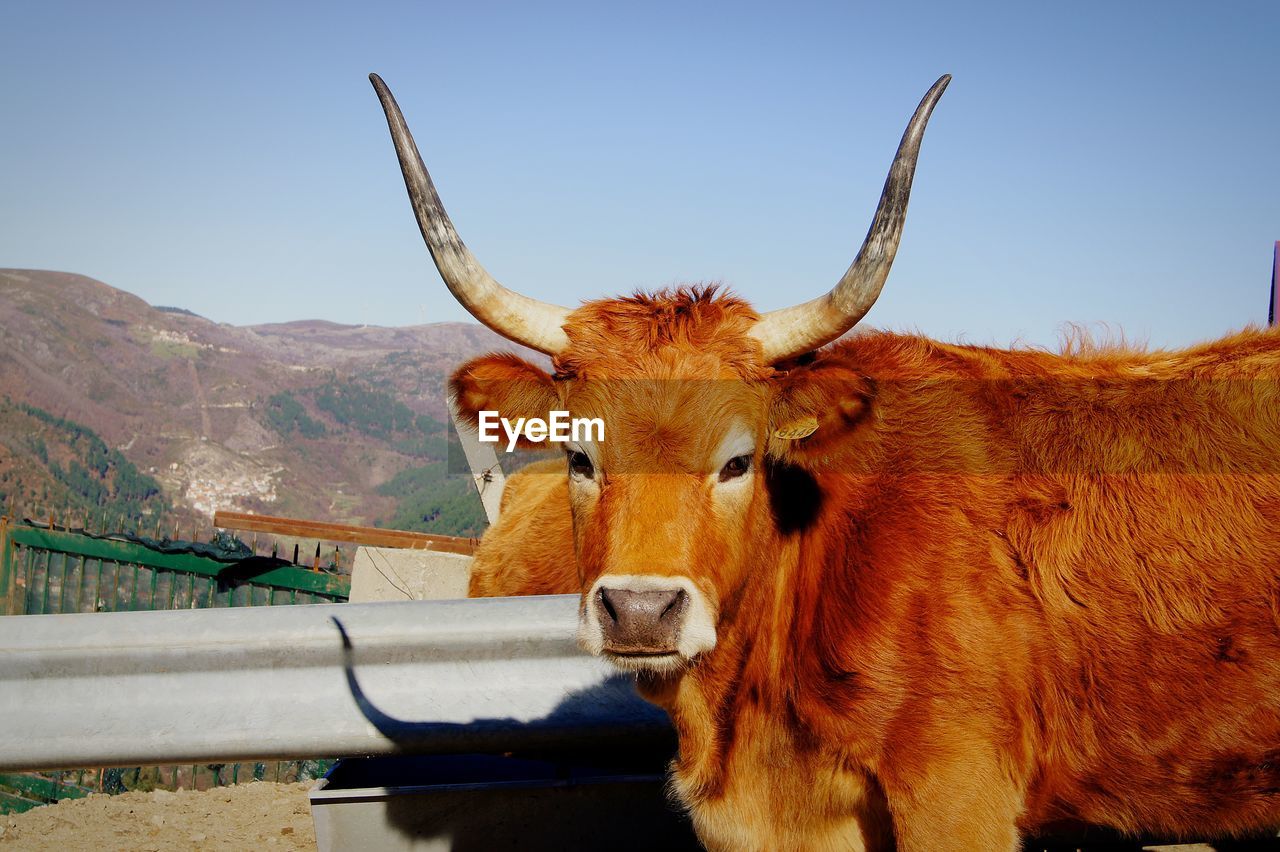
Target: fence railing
pixel 349 533
pixel 46 571
pixel 22 791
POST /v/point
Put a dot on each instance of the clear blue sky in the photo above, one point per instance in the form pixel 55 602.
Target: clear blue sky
pixel 1108 162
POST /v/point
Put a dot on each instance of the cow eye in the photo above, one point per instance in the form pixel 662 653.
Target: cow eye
pixel 735 467
pixel 580 464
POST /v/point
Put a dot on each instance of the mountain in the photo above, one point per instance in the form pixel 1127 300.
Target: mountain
pixel 47 461
pixel 310 419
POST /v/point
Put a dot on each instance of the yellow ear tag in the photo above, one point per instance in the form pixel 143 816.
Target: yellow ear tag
pixel 797 429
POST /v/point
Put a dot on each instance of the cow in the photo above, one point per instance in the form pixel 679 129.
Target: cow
pixel 900 593
pixel 529 549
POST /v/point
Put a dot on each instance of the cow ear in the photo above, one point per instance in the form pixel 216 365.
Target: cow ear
pixel 817 411
pixel 504 383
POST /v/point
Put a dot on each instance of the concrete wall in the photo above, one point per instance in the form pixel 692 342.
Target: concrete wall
pixel 396 574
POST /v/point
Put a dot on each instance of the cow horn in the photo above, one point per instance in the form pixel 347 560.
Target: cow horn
pixel 537 325
pixel 788 332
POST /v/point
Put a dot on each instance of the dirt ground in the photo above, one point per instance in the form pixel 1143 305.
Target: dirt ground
pixel 260 815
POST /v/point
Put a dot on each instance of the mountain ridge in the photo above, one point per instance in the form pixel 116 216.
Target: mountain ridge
pixel 219 414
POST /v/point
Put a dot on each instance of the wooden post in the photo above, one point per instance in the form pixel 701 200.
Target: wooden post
pixel 8 576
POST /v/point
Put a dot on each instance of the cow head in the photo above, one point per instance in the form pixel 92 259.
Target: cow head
pixel 692 387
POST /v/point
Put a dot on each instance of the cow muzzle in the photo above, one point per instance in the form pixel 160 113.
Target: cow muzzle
pixel 640 622
pixel 646 621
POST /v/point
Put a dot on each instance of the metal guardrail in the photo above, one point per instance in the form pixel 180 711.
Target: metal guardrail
pixel 136 688
pixel 54 571
pixel 48 570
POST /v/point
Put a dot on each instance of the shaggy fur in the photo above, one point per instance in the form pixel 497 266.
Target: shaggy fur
pixel 992 591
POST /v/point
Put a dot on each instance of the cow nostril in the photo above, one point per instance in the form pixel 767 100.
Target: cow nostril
pixel 608 605
pixel 676 605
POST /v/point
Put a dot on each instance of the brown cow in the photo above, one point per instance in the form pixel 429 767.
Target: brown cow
pixel 529 550
pixel 899 592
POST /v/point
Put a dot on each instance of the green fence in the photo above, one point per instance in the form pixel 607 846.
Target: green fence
pixel 44 571
pixel 22 791
pixel 54 571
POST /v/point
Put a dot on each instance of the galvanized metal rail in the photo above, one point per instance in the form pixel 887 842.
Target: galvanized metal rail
pixel 308 681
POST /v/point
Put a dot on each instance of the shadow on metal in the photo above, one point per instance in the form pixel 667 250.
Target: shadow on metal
pixel 583 719
pixel 573 784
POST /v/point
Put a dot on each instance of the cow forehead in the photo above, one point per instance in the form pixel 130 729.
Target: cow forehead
pixel 625 359
pixel 693 332
pixel 668 425
pixel 668 373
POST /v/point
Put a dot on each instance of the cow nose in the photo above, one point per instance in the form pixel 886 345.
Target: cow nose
pixel 645 622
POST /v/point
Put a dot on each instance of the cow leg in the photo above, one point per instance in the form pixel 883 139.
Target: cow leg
pixel 961 807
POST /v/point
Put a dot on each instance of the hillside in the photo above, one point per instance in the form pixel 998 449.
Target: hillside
pixel 47 461
pixel 311 419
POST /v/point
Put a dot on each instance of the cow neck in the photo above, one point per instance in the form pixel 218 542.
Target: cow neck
pixel 747 676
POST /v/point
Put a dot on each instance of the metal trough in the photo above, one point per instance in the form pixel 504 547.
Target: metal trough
pixel 563 801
